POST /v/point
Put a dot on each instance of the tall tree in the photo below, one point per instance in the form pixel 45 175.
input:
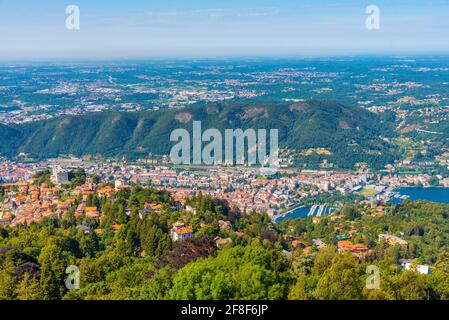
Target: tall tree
pixel 8 281
pixel 410 285
pixel 341 281
pixel 324 259
pixel 28 288
pixel 53 265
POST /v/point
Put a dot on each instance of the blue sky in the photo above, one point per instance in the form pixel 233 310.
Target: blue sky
pixel 31 29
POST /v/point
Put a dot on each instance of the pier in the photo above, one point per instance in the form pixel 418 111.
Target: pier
pixel 314 211
pixel 319 210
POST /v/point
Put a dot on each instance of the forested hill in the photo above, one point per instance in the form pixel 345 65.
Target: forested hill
pixel 351 133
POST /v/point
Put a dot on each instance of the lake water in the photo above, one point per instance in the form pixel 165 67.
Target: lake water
pixel 413 193
pixel 429 194
pixel 303 212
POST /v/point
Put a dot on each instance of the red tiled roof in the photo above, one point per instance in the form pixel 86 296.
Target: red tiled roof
pixel 184 230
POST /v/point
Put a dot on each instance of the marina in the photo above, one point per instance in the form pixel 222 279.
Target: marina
pixel 306 211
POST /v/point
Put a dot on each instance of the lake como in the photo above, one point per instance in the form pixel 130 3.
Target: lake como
pixel 434 194
pixel 303 212
pixel 429 194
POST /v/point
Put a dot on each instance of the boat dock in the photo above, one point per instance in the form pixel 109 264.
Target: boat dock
pixel 319 210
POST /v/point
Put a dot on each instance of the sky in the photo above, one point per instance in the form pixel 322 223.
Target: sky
pixel 31 29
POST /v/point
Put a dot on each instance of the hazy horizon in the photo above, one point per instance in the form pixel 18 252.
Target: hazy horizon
pixel 217 29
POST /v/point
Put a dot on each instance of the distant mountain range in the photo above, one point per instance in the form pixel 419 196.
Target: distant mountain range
pixel 352 134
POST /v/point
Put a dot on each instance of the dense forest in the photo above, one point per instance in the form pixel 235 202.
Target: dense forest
pixel 129 253
pixel 352 134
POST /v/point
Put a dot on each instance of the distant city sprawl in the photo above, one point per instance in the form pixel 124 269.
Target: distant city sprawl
pixel 36 92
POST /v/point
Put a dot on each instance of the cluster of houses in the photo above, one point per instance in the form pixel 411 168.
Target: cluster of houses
pixel 181 231
pixel 359 250
pixel 349 239
pixel 25 203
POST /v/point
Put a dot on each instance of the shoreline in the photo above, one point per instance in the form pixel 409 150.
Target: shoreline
pixel 283 214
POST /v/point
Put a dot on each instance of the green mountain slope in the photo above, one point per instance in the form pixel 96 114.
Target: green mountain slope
pixel 351 133
pixel 10 140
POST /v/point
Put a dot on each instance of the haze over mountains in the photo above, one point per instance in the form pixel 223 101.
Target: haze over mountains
pixel 352 134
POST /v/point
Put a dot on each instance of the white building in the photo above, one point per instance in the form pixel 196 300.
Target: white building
pixel 422 269
pixel 180 231
pixel 119 183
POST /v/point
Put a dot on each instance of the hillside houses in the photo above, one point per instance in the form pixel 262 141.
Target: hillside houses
pixel 393 240
pixel 26 203
pixel 92 213
pixel 181 231
pixel 150 208
pixel 359 250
